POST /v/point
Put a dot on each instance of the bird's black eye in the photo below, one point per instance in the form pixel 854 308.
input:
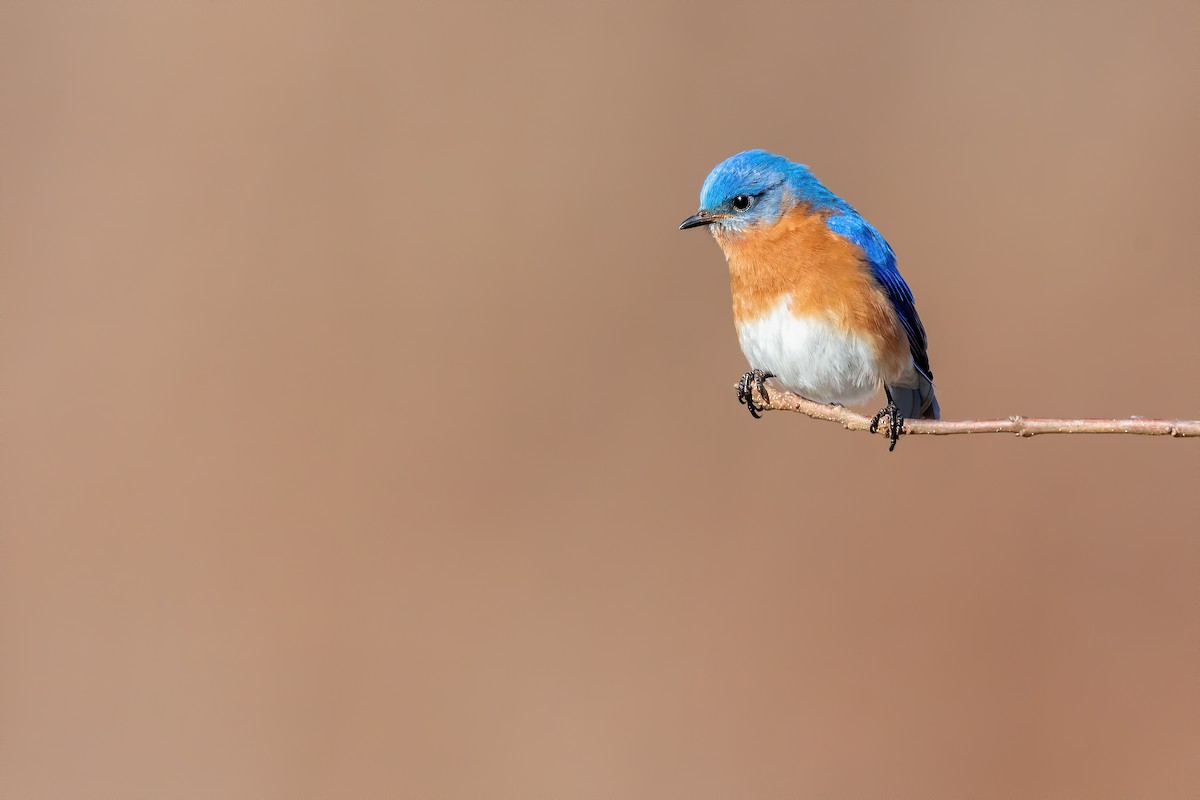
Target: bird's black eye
pixel 741 202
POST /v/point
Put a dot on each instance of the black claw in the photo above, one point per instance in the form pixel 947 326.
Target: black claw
pixel 895 423
pixel 751 381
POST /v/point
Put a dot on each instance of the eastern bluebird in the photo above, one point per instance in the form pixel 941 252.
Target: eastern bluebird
pixel 817 299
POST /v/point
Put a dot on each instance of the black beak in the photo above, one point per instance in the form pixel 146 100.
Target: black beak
pixel 696 220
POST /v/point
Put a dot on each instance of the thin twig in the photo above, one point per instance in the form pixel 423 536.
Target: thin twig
pixel 1020 426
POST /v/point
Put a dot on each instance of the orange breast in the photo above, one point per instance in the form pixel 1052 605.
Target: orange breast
pixel 821 273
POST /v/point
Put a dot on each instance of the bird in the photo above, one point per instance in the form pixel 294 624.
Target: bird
pixel 818 302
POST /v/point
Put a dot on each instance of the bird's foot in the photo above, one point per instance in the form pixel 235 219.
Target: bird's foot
pixel 895 423
pixel 754 381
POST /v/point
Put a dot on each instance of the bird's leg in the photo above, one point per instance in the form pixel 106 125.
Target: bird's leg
pixel 760 379
pixel 745 393
pixel 748 384
pixel 895 421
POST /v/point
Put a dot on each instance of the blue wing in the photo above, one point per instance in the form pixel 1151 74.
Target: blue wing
pixel 882 260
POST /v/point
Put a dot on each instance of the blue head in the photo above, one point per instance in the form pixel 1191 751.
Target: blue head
pixel 755 188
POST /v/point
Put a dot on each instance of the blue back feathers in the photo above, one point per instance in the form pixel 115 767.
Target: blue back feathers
pixel 879 256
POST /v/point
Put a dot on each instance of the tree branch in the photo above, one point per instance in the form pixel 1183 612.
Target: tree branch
pixel 1021 426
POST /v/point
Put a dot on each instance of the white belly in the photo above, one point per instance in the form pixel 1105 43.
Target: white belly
pixel 811 356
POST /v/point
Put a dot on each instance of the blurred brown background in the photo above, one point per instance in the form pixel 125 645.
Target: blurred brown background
pixel 368 429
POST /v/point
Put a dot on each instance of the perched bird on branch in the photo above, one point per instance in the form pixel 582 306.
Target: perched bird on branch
pixel 818 302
